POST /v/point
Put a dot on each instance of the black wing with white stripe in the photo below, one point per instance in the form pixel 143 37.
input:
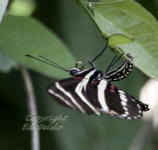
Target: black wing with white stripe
pixel 103 97
pixel 64 93
pixel 122 104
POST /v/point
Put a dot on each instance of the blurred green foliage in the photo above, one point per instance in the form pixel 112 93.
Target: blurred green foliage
pixel 25 35
pixel 3 6
pixel 68 20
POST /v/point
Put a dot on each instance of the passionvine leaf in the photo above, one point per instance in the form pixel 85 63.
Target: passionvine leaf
pixel 128 18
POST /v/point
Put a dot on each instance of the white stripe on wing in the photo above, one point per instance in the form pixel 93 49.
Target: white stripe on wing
pixel 68 94
pixel 61 98
pixel 101 95
pixel 83 84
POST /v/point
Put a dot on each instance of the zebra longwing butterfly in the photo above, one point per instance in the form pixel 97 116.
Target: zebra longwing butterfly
pixel 90 91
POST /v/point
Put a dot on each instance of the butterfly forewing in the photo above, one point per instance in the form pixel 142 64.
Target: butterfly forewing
pixel 66 90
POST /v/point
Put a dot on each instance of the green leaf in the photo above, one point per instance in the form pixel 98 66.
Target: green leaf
pixel 6 63
pixel 128 18
pixel 3 5
pixel 115 39
pixel 23 35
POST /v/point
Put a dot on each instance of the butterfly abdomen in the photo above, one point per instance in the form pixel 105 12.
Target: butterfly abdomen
pixel 121 72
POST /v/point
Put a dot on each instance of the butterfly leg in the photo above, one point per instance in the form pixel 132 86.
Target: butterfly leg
pixel 113 62
pixel 91 61
pixel 121 71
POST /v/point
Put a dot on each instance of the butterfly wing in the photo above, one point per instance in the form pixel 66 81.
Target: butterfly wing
pixel 122 104
pixel 65 93
pixel 104 97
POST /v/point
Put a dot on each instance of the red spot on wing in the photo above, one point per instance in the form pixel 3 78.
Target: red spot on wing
pixel 77 78
pixel 112 88
pixel 95 83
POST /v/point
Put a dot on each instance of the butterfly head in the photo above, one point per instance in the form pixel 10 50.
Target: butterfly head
pixel 74 71
pixel 78 67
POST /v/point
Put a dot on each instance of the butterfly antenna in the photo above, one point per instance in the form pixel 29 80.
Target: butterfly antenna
pixel 52 62
pixel 49 62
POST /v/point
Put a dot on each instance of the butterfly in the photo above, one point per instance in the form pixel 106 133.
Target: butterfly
pixel 90 91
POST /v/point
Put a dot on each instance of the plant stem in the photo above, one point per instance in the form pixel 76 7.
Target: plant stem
pixel 35 142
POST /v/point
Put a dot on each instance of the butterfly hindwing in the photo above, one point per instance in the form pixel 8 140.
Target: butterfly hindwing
pixel 122 104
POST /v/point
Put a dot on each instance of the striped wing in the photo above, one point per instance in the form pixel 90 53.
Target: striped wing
pixel 101 98
pixel 122 104
pixel 64 92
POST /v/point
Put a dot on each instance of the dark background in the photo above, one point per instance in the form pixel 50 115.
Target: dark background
pixel 79 33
